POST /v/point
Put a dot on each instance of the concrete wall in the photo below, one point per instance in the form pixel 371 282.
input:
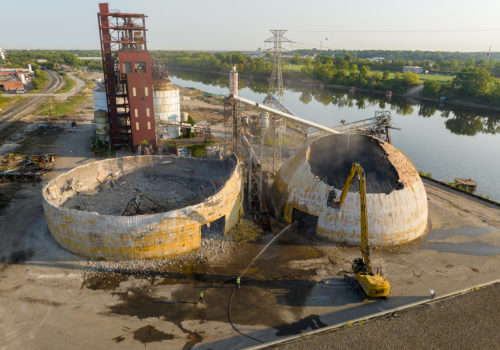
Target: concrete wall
pixel 134 237
pixel 394 218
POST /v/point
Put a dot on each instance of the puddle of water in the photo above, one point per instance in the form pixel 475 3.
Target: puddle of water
pixel 469 231
pixel 329 292
pixel 21 256
pixel 477 248
pixel 119 339
pixel 149 334
pixel 468 248
pixel 104 280
pixel 311 321
pixel 7 148
pixel 263 249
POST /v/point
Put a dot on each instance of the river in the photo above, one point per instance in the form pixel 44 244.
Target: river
pixel 446 142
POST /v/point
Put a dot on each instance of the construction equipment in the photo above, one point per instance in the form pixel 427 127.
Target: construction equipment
pixel 20 167
pixel 366 282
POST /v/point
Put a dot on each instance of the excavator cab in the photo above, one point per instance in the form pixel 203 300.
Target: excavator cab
pixel 358 266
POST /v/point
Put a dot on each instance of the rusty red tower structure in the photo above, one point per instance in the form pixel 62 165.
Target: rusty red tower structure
pixel 127 78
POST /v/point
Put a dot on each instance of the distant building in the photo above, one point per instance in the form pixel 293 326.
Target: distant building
pixel 376 59
pixel 11 82
pixel 413 69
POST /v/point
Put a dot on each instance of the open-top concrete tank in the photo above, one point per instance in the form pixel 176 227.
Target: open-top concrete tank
pixel 142 207
pixel 307 183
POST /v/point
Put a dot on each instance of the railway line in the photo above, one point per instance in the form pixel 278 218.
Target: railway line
pixel 30 105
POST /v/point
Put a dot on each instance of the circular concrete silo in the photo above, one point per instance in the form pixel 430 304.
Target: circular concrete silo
pixel 142 207
pixel 396 197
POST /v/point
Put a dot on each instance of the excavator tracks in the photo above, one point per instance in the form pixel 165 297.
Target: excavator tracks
pixel 357 288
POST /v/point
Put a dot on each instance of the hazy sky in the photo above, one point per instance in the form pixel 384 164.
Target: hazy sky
pixel 447 25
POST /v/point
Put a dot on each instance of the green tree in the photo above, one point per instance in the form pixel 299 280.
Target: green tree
pixel 431 88
pixel 295 59
pixel 363 72
pixel 472 81
pixel 410 78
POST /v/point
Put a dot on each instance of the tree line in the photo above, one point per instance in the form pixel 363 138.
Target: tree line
pixel 474 76
pixel 52 58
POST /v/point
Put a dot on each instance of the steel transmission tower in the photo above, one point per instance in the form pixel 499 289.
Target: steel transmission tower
pixel 276 83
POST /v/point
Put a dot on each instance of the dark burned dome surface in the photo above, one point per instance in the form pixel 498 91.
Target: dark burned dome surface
pixel 331 159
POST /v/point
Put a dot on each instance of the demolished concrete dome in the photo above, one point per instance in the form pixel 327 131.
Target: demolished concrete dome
pixel 396 197
pixel 142 207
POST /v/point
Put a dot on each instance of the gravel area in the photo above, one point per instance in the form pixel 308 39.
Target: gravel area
pixel 468 321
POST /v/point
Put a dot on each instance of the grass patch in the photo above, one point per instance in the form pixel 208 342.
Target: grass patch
pixel 442 79
pixel 57 109
pixel 423 173
pixel 10 101
pixel 68 85
pixel 5 100
pixel 293 67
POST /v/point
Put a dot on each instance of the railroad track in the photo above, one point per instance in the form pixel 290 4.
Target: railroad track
pixel 30 105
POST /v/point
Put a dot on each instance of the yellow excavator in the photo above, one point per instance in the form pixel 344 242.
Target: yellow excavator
pixel 367 283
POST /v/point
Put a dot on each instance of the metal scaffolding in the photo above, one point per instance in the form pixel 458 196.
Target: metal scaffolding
pixel 119 32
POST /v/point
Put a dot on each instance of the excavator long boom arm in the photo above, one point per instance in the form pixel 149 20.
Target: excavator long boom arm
pixel 365 239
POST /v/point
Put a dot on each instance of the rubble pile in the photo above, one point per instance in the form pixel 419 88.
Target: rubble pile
pixel 156 193
pixel 211 250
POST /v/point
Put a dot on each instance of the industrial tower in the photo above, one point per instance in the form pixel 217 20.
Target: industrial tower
pixel 127 78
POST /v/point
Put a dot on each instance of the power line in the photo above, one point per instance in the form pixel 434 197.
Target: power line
pixel 463 30
pixel 314 45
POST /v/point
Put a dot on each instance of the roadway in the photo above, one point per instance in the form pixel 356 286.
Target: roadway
pixel 30 105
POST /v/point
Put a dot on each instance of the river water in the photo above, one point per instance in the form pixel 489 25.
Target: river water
pixel 447 142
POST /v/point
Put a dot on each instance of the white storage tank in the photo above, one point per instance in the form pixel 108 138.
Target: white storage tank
pixel 184 117
pixel 167 109
pixel 100 101
pixel 101 124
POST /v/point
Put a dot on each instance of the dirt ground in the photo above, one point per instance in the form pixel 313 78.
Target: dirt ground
pixel 50 298
pixel 201 106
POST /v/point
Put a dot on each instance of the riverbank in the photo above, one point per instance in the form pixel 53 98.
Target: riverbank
pixel 295 83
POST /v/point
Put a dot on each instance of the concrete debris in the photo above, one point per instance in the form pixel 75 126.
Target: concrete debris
pixel 212 250
pixel 165 191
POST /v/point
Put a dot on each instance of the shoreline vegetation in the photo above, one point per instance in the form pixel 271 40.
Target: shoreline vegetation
pixel 451 102
pixel 460 78
pixel 467 82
